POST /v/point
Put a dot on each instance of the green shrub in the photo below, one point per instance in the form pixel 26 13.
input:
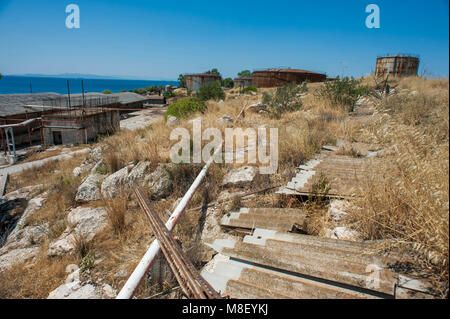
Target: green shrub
pixel 249 89
pixel 185 107
pixel 106 92
pixel 343 92
pixel 245 74
pixel 211 91
pixel 181 81
pixel 141 91
pixel 228 83
pixel 285 99
pixel 168 94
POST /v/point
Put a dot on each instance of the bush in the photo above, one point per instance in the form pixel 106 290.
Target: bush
pixel 284 100
pixel 181 81
pixel 168 94
pixel 248 89
pixel 228 83
pixel 343 92
pixel 211 91
pixel 141 91
pixel 245 73
pixel 185 107
pixel 106 92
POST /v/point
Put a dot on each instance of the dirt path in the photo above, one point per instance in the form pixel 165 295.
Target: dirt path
pixel 14 169
pixel 141 119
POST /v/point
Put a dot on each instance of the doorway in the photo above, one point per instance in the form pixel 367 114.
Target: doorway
pixel 57 137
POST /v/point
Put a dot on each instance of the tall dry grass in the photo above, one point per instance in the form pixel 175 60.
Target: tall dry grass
pixel 409 205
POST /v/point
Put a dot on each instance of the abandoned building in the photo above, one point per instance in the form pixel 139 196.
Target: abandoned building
pixel 78 126
pixel 195 81
pixel 278 77
pixel 243 82
pixel 19 108
pixel 397 66
pixel 155 99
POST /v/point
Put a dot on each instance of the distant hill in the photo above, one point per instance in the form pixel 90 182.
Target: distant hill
pixel 80 76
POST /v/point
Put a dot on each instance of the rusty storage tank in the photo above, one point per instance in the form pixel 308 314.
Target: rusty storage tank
pixel 243 82
pixel 195 81
pixel 278 77
pixel 397 66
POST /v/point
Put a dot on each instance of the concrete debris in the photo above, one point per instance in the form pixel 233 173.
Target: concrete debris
pixel 283 219
pixel 225 120
pixel 172 120
pixel 343 233
pixel 338 209
pixel 240 177
pixel 257 107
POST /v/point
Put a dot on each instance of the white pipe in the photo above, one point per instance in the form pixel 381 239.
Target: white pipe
pixel 20 124
pixel 146 262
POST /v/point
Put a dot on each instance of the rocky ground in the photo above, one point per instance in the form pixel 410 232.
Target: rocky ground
pixel 83 223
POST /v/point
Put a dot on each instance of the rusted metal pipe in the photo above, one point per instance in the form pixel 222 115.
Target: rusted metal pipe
pixel 130 287
pixel 146 262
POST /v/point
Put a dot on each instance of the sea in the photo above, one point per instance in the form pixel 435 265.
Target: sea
pixel 11 84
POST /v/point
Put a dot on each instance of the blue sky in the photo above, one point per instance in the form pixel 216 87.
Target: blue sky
pixel 161 39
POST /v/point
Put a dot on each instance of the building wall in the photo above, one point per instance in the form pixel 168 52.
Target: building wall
pixel 83 130
pixel 194 83
pixel 242 83
pixel 397 66
pixel 266 79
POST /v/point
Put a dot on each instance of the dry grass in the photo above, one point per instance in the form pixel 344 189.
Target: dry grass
pixel 409 205
pixel 117 210
pixel 36 279
pixel 35 156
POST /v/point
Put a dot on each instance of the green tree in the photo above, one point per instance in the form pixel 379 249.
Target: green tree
pixel 284 100
pixel 213 71
pixel 211 90
pixel 185 107
pixel 228 83
pixel 0 76
pixel 106 92
pixel 181 81
pixel 245 74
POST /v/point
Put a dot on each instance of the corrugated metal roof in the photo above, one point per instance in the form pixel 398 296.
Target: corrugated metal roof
pixel 15 103
pixel 286 71
pixel 203 75
pixel 272 264
pixel 282 219
pixel 343 174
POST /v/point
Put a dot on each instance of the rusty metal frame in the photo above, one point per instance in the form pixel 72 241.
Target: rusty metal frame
pixel 192 284
pixel 130 287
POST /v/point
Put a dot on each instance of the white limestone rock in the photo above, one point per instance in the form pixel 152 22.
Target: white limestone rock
pixel 240 177
pixel 86 222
